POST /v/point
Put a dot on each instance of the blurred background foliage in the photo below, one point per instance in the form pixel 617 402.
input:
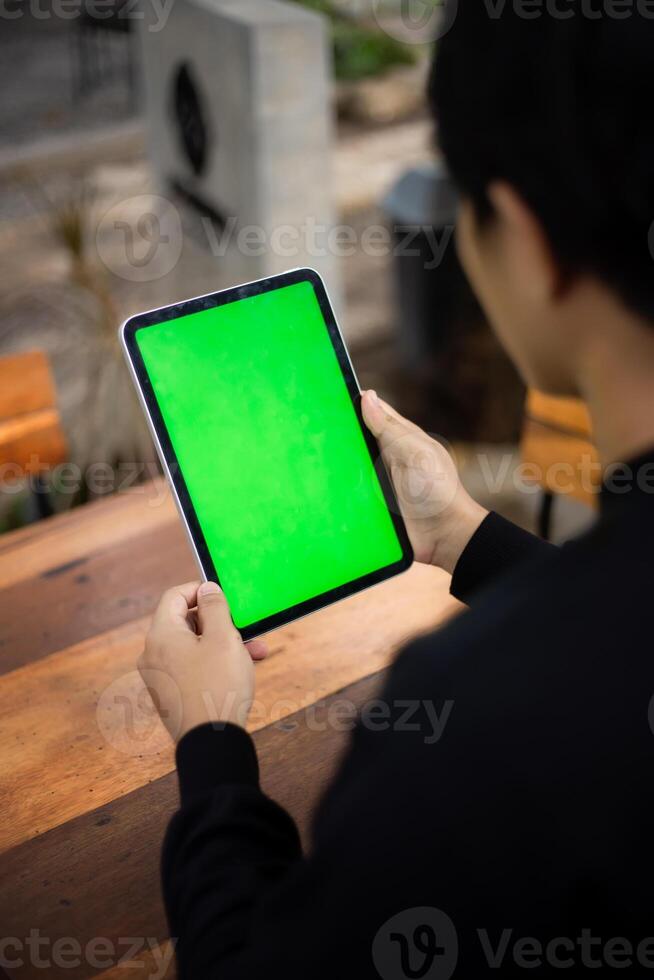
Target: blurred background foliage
pixel 360 50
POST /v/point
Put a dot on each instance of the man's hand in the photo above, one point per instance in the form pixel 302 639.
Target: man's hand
pixel 440 515
pixel 195 664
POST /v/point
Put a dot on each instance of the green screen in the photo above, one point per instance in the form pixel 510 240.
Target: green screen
pixel 270 448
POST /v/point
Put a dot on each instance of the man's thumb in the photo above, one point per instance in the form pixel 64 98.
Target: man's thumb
pixel 383 421
pixel 213 611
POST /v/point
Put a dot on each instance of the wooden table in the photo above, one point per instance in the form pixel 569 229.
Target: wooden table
pixel 87 782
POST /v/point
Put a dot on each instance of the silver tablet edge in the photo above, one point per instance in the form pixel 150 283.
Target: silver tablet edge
pixel 155 437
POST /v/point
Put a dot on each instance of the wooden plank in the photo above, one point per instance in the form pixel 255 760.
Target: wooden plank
pixel 51 545
pixel 51 883
pixel 26 384
pixel 92 594
pixel 31 444
pixel 82 715
pixel 157 964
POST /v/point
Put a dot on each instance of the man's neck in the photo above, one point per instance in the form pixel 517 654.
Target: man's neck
pixel 616 379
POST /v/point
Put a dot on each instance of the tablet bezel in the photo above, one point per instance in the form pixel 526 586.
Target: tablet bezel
pixel 172 468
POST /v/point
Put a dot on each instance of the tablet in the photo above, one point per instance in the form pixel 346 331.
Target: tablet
pixel 255 410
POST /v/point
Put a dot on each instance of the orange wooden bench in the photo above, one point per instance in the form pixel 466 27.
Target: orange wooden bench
pixel 31 437
pixel 557 447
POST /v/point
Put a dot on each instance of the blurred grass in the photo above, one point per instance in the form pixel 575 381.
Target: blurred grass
pixel 360 51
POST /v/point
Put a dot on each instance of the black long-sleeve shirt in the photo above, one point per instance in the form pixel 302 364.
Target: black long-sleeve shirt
pixel 525 831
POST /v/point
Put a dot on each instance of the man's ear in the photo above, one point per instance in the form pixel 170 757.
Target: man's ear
pixel 527 248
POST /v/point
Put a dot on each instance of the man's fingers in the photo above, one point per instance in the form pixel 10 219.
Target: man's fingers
pixel 258 649
pixel 174 605
pixel 375 415
pixel 383 420
pixel 398 438
pixel 213 612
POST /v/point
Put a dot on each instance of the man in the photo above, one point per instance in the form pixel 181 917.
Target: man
pixel 521 839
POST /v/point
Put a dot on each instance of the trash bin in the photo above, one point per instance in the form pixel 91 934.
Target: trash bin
pixel 432 290
pixel 460 379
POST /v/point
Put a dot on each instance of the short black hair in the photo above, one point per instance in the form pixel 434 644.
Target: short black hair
pixel 559 106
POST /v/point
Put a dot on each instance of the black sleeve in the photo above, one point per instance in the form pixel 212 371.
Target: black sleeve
pixel 413 819
pixel 227 843
pixel 243 901
pixel 496 546
pixel 412 812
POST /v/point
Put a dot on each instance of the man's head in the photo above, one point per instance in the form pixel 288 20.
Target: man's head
pixel 544 116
